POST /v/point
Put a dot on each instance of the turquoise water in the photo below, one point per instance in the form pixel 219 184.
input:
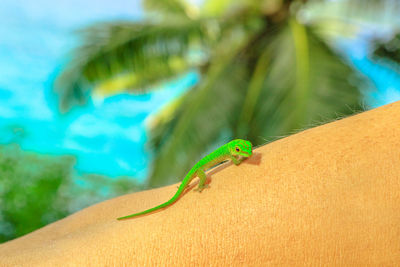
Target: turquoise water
pixel 108 135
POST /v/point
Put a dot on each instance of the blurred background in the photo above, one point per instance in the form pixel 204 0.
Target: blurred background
pixel 100 98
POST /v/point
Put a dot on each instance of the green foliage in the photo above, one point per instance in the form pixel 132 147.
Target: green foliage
pixel 388 50
pixel 36 190
pixel 263 73
pixel 32 191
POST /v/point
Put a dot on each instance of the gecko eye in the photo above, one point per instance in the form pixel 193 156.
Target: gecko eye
pixel 237 149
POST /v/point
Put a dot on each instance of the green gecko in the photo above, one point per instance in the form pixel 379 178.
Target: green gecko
pixel 236 150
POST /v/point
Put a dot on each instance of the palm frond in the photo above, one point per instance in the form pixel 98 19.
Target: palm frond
pixel 130 56
pixel 296 97
pixel 170 7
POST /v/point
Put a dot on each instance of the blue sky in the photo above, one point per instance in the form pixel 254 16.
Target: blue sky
pixel 107 137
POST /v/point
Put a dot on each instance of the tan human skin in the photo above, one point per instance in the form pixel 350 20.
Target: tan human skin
pixel 325 196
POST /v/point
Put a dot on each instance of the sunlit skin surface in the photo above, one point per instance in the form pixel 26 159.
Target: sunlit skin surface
pixel 236 150
pixel 326 196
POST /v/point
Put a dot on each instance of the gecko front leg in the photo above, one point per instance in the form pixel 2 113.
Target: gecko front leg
pixel 235 160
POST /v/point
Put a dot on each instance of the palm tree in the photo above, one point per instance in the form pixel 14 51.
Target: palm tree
pixel 263 74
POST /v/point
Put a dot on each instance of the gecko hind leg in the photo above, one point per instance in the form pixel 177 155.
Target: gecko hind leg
pixel 202 183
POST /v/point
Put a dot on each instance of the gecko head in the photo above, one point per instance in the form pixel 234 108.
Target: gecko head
pixel 240 147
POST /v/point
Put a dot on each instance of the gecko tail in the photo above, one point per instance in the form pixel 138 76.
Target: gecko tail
pixel 148 211
pixel 166 204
